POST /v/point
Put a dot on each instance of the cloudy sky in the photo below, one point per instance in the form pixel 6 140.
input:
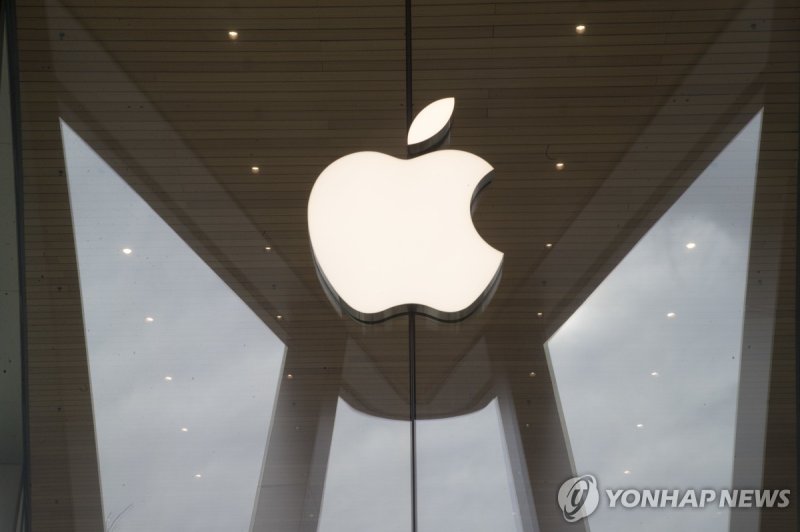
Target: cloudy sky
pixel 171 347
pixel 658 344
pixel 464 478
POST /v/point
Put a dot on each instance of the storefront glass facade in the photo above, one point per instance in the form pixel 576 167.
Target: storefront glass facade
pixel 188 367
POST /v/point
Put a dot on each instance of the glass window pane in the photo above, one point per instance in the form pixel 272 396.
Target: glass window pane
pixel 170 149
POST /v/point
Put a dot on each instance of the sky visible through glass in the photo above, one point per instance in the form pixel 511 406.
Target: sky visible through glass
pixel 647 369
pixel 183 374
pixel 465 481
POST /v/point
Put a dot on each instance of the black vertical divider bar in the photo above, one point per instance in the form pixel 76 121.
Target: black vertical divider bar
pixel 412 328
pixel 412 392
pixel 9 33
pixel 796 321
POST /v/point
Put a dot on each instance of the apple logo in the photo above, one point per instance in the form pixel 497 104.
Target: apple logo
pixel 389 235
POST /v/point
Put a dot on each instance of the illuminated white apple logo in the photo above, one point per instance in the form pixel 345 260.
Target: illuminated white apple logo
pixel 391 234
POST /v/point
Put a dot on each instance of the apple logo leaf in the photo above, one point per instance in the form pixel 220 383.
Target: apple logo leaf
pixel 431 126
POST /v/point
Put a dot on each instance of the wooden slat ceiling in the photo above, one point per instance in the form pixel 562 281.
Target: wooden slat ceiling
pixel 636 107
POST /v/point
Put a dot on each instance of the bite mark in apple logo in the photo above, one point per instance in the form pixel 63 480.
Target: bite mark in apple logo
pixel 389 235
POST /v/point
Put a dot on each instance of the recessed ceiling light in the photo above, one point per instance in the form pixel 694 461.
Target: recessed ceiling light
pixel 290 376
pixel 670 314
pixel 255 169
pixel 184 429
pixel 639 425
pixel 167 378
pixel 627 472
pixel 198 475
pixel 580 29
pixel 548 245
pixel 559 165
pixel 654 374
pixel 539 314
pixel 149 319
pixel 691 245
pixel 233 35
pixel 279 316
pixel 127 251
pixel 532 374
pixel 268 248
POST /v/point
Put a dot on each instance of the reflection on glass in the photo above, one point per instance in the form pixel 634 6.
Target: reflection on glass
pixel 465 481
pixel 11 444
pixel 464 474
pixel 183 374
pixel 368 482
pixel 647 369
